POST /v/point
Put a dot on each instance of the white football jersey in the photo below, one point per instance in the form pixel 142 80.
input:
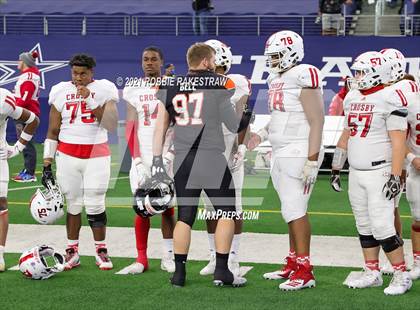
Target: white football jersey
pixel 242 88
pixel 7 109
pixel 78 124
pixel 288 123
pixel 413 99
pixel 369 116
pixel 144 100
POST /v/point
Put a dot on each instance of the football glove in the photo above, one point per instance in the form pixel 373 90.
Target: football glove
pixel 392 187
pixel 309 174
pixel 167 161
pixel 10 151
pixel 158 170
pixel 143 172
pixel 47 176
pixel 335 180
pixel 238 158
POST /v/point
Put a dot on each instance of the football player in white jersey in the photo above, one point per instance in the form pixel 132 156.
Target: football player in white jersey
pixel 408 90
pixel 8 109
pixel 141 120
pixel 374 139
pixel 234 153
pixel 295 133
pixel 82 112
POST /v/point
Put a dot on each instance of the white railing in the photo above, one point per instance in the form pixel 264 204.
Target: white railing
pixel 260 25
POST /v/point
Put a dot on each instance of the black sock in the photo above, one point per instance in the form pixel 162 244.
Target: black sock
pixel 222 261
pixel 180 261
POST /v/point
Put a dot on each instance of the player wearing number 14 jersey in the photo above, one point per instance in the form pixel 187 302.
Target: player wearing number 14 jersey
pixel 82 111
pixel 295 133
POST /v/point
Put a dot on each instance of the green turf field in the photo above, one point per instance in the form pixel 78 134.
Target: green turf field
pixel 330 212
pixel 89 288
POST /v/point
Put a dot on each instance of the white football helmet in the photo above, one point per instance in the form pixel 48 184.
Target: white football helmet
pixel 41 262
pixel 371 69
pixel 224 56
pixel 284 49
pixel 47 205
pixel 398 63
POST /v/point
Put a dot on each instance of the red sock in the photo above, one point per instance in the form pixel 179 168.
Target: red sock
pixel 142 227
pixel 400 266
pixel 372 264
pixel 416 255
pixel 303 260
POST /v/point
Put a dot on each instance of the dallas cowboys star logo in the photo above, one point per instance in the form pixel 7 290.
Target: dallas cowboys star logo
pixel 9 72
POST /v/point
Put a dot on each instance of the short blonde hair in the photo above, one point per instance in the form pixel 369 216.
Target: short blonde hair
pixel 197 52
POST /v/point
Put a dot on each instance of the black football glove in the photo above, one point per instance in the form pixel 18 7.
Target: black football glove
pixel 392 187
pixel 335 180
pixel 158 171
pixel 47 176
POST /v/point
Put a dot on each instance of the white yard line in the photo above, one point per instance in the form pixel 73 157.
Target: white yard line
pixel 255 247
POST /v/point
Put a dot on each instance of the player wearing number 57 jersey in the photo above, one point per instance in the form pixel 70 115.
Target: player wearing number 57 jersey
pixel 374 137
pixel 295 133
pixel 82 112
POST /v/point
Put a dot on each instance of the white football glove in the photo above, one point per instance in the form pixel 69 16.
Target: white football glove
pixel 238 158
pixel 335 181
pixel 309 174
pixel 10 151
pixel 143 172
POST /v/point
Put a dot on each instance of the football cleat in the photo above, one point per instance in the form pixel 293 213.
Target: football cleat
pixel 366 278
pixel 387 269
pixel 72 259
pixel 210 267
pixel 24 177
pixel 283 273
pixel 134 268
pixel 167 263
pixel 102 259
pixel 2 264
pixel 401 282
pixel 228 278
pixel 415 270
pixel 299 279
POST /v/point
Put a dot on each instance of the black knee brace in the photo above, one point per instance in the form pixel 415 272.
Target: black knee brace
pixel 187 214
pixel 97 220
pixel 368 241
pixel 392 243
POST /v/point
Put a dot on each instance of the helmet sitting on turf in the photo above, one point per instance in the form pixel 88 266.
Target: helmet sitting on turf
pixel 47 204
pixel 154 197
pixel 223 54
pixel 41 262
pixel 283 49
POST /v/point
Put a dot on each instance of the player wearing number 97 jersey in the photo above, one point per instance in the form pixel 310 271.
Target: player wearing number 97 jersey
pixel 374 136
pixel 82 112
pixel 295 134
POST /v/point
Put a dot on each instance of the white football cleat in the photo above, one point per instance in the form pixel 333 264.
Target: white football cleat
pixel 167 263
pixel 102 259
pixel 387 269
pixel 134 268
pixel 401 282
pixel 284 273
pixel 2 264
pixel 237 282
pixel 210 267
pixel 72 259
pixel 234 267
pixel 415 270
pixel 300 279
pixel 366 278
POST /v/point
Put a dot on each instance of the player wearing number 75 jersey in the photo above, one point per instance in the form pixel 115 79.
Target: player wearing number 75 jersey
pixel 82 112
pixel 295 133
pixel 374 138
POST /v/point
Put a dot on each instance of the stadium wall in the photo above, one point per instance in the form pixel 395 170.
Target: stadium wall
pixel 118 59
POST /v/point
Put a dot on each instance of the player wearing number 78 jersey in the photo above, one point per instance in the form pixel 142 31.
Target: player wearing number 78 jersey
pixel 295 133
pixel 82 111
